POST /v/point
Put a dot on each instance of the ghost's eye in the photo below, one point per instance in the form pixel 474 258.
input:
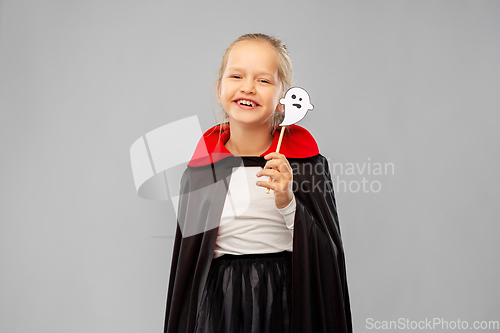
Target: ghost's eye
pixel 300 99
pixel 293 96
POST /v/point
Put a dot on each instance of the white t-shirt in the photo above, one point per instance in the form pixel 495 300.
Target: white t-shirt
pixel 250 221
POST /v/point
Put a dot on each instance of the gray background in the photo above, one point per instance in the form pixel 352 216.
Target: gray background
pixel 414 83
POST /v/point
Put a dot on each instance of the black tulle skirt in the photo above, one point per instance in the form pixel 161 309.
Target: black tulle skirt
pixel 248 293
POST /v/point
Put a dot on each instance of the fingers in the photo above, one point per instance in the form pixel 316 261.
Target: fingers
pixel 281 178
pixel 279 162
pixel 269 184
pixel 270 173
pixel 279 170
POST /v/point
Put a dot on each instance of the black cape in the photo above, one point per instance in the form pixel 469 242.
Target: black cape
pixel 320 299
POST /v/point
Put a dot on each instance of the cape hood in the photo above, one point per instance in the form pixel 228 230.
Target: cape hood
pixel 297 143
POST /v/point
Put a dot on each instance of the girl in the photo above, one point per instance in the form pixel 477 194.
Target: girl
pixel 234 273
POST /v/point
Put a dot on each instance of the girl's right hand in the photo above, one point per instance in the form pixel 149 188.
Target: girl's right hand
pixel 278 168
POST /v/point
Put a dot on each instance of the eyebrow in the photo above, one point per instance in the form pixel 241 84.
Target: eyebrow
pixel 241 69
pixel 233 68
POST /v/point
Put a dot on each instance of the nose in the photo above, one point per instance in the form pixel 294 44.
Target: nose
pixel 247 86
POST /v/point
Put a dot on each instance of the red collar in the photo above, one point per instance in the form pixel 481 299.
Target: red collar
pixel 297 143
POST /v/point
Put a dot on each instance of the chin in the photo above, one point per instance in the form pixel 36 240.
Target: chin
pixel 250 121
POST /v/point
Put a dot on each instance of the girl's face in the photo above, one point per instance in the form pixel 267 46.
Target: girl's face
pixel 250 87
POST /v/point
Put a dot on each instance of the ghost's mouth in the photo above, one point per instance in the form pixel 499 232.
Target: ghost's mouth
pixel 298 106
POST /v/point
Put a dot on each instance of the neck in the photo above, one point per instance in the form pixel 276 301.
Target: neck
pixel 248 141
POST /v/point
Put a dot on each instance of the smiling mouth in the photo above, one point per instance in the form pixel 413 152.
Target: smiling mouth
pixel 298 106
pixel 247 103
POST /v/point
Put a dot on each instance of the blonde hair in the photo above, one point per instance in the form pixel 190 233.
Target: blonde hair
pixel 285 70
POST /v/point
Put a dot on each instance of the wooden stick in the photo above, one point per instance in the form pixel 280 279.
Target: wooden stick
pixel 278 147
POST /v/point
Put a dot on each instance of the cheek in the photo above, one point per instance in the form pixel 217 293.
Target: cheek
pixel 227 90
pixel 222 93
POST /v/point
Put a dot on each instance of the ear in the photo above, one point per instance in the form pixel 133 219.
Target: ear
pixel 280 108
pixel 218 92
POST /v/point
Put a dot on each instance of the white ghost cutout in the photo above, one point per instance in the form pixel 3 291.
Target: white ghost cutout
pixel 297 103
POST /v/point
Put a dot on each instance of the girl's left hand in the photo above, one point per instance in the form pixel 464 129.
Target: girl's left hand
pixel 282 175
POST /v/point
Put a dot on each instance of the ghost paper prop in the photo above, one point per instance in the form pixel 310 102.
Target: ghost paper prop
pixel 297 103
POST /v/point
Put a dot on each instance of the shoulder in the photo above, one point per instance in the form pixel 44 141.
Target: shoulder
pixel 298 142
pixel 313 165
pixel 210 148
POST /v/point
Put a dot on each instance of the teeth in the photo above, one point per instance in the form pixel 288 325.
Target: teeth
pixel 245 102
